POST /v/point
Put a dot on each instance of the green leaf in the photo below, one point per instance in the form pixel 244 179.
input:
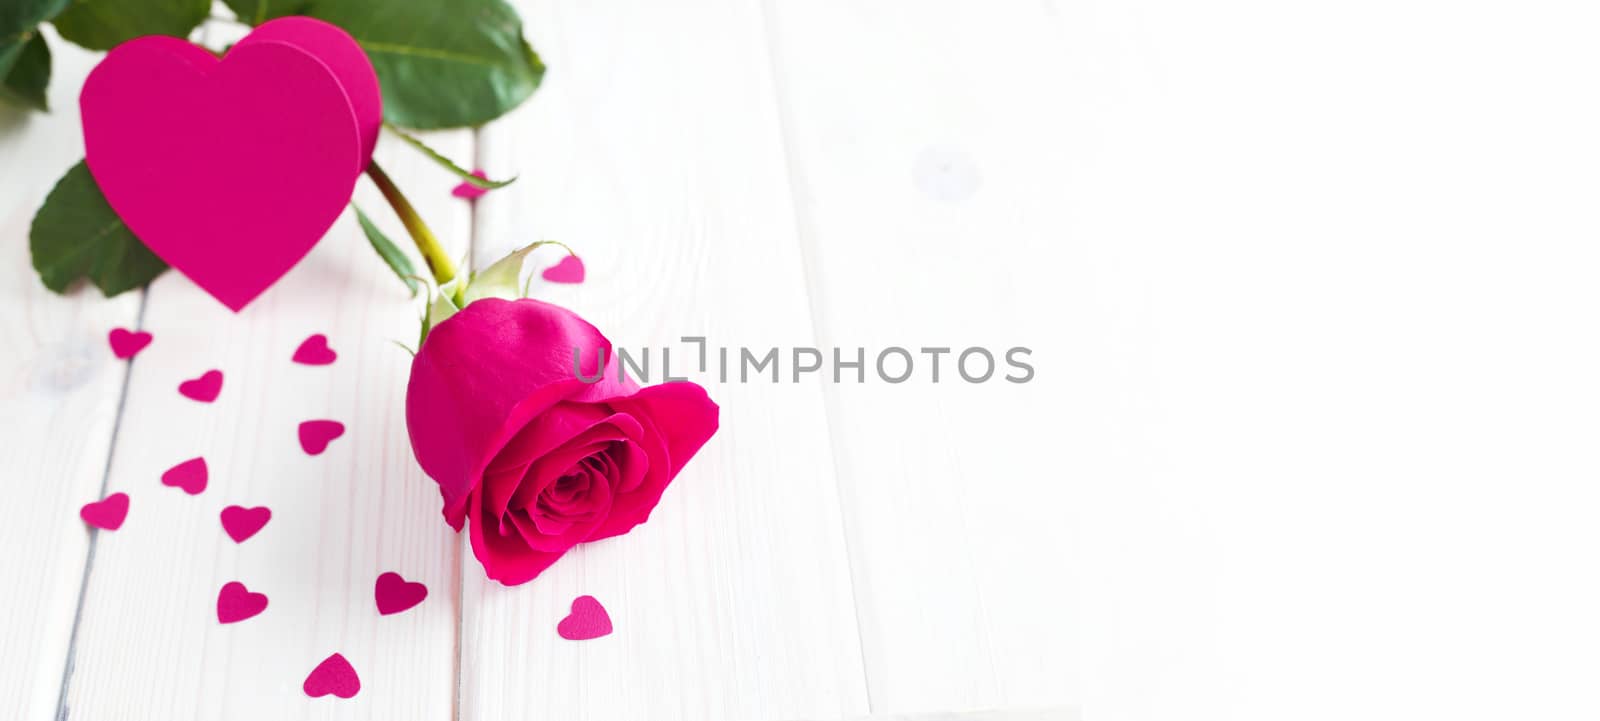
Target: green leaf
pixel 391 254
pixel 102 24
pixel 29 75
pixel 256 12
pixel 10 53
pixel 20 43
pixel 500 280
pixel 76 234
pixel 441 64
pixel 460 172
pixel 18 17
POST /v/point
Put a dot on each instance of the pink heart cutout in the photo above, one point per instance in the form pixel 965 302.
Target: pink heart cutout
pixel 316 435
pixel 189 475
pixel 126 344
pixel 334 675
pixel 587 620
pixel 230 170
pixel 108 513
pixel 236 603
pixel 205 388
pixel 569 270
pixel 241 523
pixel 468 191
pixel 314 351
pixel 342 55
pixel 395 594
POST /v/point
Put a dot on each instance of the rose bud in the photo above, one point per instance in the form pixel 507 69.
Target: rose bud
pixel 530 457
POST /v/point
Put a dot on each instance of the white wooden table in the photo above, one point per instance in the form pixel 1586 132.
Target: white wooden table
pixel 759 173
pixel 1311 293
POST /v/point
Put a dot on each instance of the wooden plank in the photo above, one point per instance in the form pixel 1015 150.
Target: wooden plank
pixel 60 387
pixel 149 645
pixel 926 142
pixel 653 149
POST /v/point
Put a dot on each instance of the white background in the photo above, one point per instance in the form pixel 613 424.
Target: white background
pixel 1311 289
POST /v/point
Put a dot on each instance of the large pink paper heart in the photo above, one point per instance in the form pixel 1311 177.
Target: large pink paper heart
pixel 587 620
pixel 344 56
pixel 334 675
pixel 316 435
pixel 106 514
pixel 241 523
pixel 230 170
pixel 236 603
pixel 395 594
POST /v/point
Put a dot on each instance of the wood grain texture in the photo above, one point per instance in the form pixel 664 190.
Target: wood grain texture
pixel 654 150
pixel 837 551
pixel 926 150
pixel 60 387
pixel 149 645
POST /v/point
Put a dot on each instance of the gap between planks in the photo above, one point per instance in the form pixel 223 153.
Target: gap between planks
pixel 469 267
pixel 94 535
pixel 805 239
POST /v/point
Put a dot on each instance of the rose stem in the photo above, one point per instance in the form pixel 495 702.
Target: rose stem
pixel 439 262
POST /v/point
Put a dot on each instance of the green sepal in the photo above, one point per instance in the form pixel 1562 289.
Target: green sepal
pixel 501 279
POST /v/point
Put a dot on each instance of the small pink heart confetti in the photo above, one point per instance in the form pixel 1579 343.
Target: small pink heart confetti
pixel 108 513
pixel 587 620
pixel 334 675
pixel 395 594
pixel 126 343
pixel 314 351
pixel 469 191
pixel 316 435
pixel 203 389
pixel 236 603
pixel 569 270
pixel 189 475
pixel 241 523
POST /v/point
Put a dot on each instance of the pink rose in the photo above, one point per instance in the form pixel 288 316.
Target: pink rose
pixel 533 459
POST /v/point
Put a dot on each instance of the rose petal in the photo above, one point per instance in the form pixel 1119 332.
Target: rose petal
pixel 681 411
pixel 682 418
pixel 594 499
pixel 497 489
pixel 573 534
pixel 550 467
pixel 547 525
pixel 571 486
pixel 508 558
pixel 629 465
pixel 552 429
pixel 452 462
